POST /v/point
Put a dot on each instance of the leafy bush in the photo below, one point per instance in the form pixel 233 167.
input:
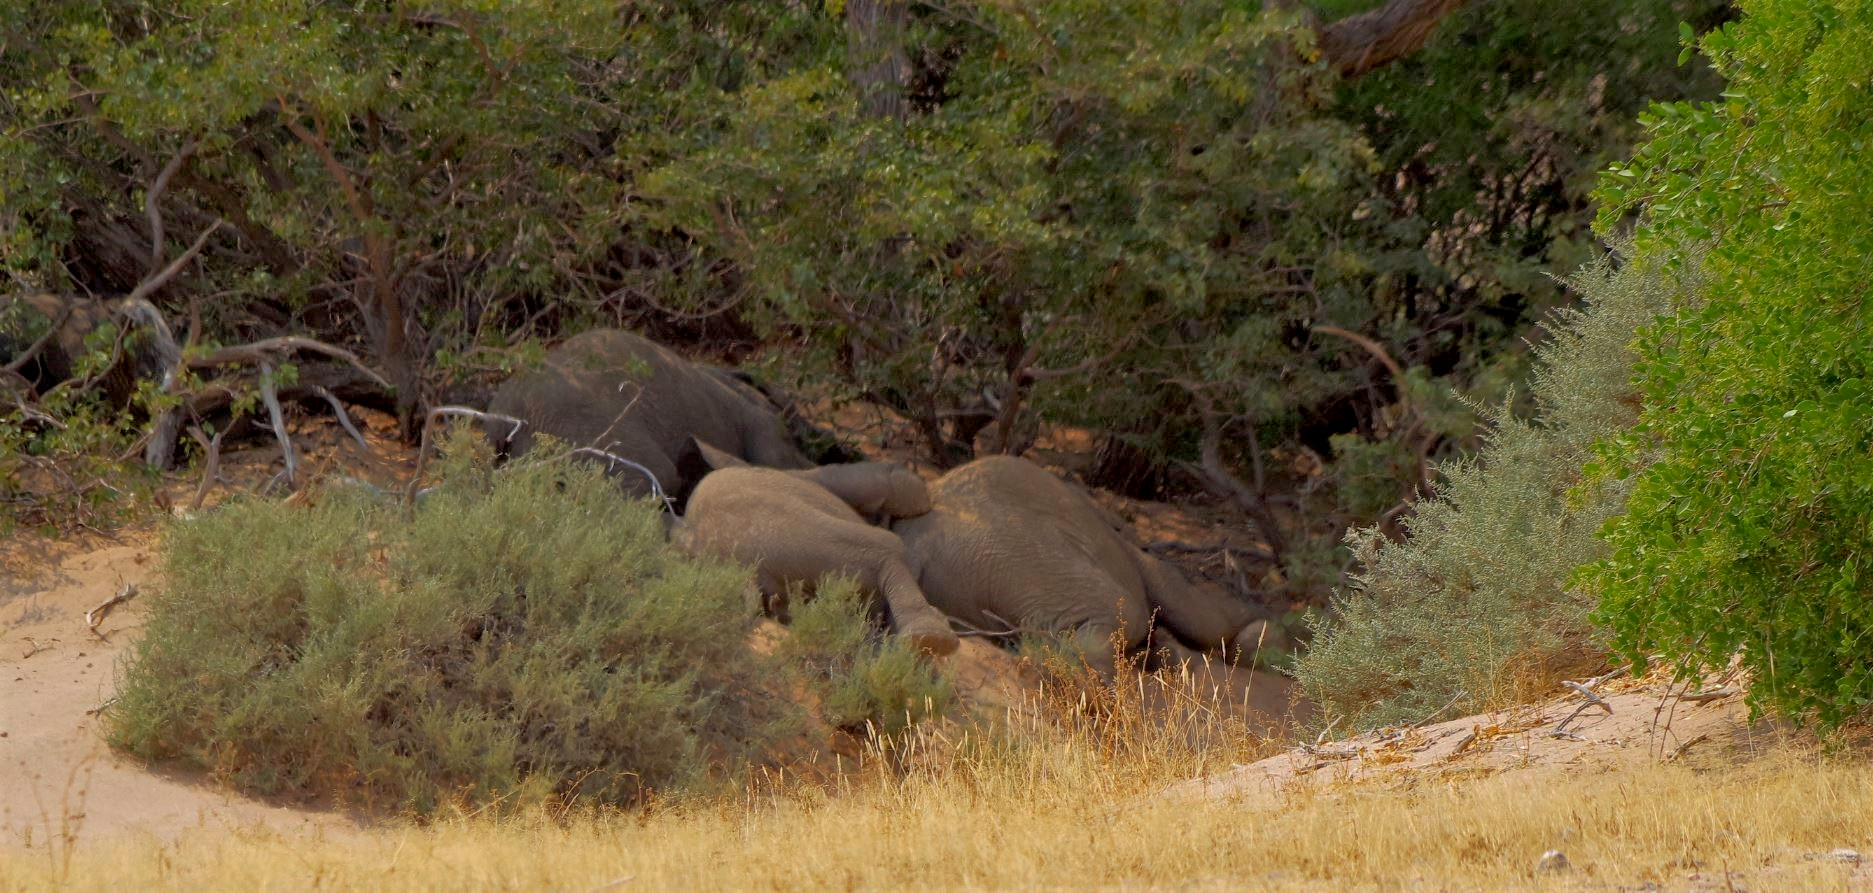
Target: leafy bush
pixel 866 682
pixel 1473 605
pixel 524 638
pixel 64 458
pixel 1751 516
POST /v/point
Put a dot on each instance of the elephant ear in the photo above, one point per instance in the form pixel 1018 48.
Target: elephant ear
pixel 702 457
pixel 694 462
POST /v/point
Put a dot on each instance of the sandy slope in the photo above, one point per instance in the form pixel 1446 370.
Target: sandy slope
pixel 59 784
pixel 1641 720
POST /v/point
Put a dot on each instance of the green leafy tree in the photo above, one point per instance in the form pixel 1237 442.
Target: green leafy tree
pixel 1210 231
pixel 362 155
pixel 1751 515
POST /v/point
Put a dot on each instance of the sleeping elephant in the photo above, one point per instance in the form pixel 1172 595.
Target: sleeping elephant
pixel 1008 544
pixel 794 527
pixel 631 397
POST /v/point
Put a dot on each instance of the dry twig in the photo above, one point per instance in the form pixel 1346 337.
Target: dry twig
pixel 344 418
pixel 1687 745
pixel 211 448
pixel 1585 690
pixel 96 615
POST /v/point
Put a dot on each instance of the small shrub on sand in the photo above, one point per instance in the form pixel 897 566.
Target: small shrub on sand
pixel 524 637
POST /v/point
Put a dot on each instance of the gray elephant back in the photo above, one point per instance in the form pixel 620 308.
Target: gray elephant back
pixel 1006 542
pixel 627 395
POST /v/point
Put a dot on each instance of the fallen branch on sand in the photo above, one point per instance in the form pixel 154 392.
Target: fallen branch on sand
pixel 1585 690
pixel 96 615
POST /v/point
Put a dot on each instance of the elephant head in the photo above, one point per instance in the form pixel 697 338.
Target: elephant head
pixel 1006 545
pixel 627 396
pixel 794 529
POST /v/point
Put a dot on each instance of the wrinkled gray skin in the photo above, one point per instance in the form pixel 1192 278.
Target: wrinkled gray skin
pixel 1008 544
pixel 627 395
pixel 794 527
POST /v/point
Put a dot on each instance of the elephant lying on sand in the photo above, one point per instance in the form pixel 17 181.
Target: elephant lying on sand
pixel 631 397
pixel 1007 543
pixel 794 527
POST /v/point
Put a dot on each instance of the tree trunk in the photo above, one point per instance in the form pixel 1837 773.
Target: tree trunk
pixel 880 64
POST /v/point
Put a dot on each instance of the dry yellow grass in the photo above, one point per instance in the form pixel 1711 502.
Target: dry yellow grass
pixel 1071 806
pixel 1661 824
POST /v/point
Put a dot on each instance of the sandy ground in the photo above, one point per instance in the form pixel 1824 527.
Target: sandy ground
pixel 59 783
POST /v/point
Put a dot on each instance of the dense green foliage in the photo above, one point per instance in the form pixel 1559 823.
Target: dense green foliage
pixel 1151 219
pixel 1751 516
pixel 1471 610
pixel 525 640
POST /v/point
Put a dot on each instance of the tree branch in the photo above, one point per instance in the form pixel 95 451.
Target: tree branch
pixel 149 286
pixel 1357 44
pixel 152 202
pixel 32 350
pixel 262 350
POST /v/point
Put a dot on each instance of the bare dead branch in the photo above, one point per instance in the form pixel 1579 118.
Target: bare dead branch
pixel 211 448
pixel 1331 753
pixel 344 418
pixel 1593 699
pixel 1179 547
pixel 1223 483
pixel 965 628
pixel 1377 350
pixel 429 422
pixel 1585 690
pixel 1464 743
pixel 149 286
pixel 1679 751
pixel 152 202
pixel 656 487
pixel 1460 695
pixel 96 615
pixel 264 350
pixel 270 395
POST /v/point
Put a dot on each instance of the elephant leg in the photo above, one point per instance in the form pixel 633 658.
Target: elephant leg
pixel 874 489
pixel 1203 615
pixel 806 551
pixel 1166 651
pixel 1098 646
pixel 911 614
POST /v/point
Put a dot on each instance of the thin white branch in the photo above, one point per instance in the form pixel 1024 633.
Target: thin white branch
pixel 270 395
